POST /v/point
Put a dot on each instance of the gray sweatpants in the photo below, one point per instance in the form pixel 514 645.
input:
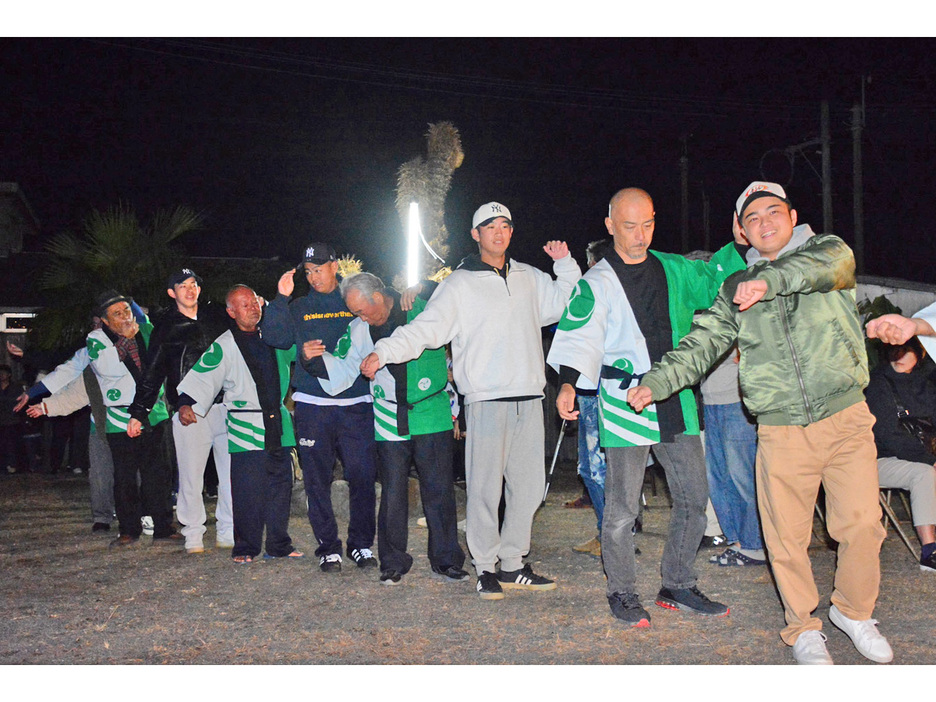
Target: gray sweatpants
pixel 919 479
pixel 101 479
pixel 504 453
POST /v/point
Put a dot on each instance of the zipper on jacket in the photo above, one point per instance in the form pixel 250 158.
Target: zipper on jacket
pixel 796 364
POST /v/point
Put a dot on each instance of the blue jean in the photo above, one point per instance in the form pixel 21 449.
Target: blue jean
pixel 591 460
pixel 730 451
pixel 684 464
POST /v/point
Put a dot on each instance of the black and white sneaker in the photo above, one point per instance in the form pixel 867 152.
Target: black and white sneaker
pixel 330 563
pixel 690 600
pixel 524 579
pixel 449 573
pixel 364 557
pixel 390 577
pixel 626 607
pixel 717 541
pixel 489 587
pixel 926 564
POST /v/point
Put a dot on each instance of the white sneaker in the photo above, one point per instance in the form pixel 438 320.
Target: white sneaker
pixel 810 649
pixel 864 635
pixel 147 525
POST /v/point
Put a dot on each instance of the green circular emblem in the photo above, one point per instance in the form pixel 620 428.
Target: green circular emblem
pixel 580 308
pixel 210 360
pixel 113 394
pixel 94 348
pixel 379 392
pixel 624 365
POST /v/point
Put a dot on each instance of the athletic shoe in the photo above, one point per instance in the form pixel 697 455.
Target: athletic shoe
pixel 100 526
pixel 928 563
pixel 364 557
pixel 718 541
pixel 626 607
pixel 864 635
pixel 489 587
pixel 147 523
pixel 524 579
pixel 733 557
pixel 390 577
pixel 690 600
pixel 330 563
pixel 449 573
pixel 810 649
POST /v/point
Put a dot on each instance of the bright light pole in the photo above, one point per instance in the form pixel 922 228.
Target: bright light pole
pixel 413 237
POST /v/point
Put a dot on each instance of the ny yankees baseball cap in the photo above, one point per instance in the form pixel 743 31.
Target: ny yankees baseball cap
pixel 318 253
pixel 486 213
pixel 180 276
pixel 759 188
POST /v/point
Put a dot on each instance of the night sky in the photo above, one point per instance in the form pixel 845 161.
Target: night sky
pixel 285 141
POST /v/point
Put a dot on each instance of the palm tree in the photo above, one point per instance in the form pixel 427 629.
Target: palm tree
pixel 113 251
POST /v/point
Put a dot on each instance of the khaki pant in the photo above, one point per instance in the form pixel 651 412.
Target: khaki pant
pixel 792 461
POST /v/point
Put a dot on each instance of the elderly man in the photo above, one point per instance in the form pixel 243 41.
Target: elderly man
pixel 326 426
pixel 412 424
pixel 254 379
pixel 626 312
pixel 142 475
pixel 180 336
pixel 803 368
pixel 492 309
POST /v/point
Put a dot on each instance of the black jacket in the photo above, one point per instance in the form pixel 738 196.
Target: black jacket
pixel 176 344
pixel 917 393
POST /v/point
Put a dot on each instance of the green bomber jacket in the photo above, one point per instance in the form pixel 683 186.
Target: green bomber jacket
pixel 802 348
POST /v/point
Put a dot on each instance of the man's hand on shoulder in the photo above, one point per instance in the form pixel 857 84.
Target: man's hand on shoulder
pixel 738 232
pixel 286 283
pixel 408 297
pixel 639 397
pixel 748 293
pixel 556 249
pixel 897 329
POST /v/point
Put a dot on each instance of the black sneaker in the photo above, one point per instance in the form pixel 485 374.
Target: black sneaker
pixel 449 573
pixel 330 563
pixel 928 563
pixel 364 557
pixel 489 587
pixel 390 577
pixel 691 600
pixel 718 541
pixel 524 579
pixel 626 607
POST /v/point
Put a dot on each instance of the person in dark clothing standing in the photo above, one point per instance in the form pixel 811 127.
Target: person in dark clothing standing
pixel 180 336
pixel 327 426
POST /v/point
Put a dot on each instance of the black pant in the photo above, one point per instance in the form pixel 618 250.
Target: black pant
pixel 141 457
pixel 261 495
pixel 432 454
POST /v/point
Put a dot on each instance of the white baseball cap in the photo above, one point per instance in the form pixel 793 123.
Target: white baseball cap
pixel 489 211
pixel 759 188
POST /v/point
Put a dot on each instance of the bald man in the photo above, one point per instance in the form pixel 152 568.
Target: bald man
pixel 625 313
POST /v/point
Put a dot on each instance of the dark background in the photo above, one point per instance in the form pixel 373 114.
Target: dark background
pixel 285 141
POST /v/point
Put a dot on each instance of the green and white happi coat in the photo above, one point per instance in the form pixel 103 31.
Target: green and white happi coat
pixel 426 377
pixel 117 384
pixel 598 329
pixel 222 367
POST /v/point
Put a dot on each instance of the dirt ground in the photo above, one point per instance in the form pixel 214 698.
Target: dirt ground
pixel 69 599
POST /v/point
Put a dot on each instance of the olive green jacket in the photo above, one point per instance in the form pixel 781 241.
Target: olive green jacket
pixel 802 348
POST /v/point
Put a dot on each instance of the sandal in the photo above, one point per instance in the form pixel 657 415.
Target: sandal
pixel 243 560
pixel 294 554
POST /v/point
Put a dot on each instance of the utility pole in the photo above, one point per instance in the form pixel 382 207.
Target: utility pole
pixel 684 174
pixel 858 186
pixel 826 169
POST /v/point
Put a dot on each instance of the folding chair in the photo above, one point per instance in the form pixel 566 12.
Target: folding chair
pixel 890 516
